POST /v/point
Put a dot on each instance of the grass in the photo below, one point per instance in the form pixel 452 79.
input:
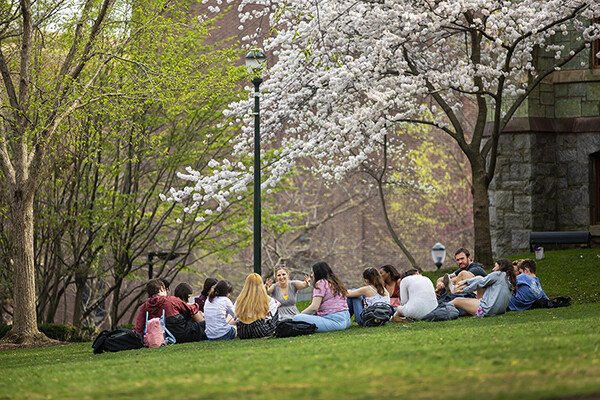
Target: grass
pixel 538 354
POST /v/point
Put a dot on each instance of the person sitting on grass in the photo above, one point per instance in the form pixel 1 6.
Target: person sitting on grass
pixel 284 291
pixel 529 289
pixel 363 297
pixel 183 291
pixel 391 277
pixel 493 291
pixel 328 301
pixel 208 284
pixel 465 263
pixel 255 310
pixel 184 321
pixel 220 313
pixel 417 297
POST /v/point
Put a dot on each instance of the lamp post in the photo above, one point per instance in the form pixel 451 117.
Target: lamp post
pixel 255 61
pixel 438 253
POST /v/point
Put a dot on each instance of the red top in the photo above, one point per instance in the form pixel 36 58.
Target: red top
pixel 395 297
pixel 155 306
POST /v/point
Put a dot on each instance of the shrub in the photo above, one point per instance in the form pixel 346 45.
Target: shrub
pixel 64 333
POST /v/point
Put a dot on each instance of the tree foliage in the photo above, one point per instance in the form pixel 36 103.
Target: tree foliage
pixel 102 105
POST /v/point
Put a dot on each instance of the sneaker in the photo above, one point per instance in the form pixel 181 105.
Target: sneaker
pixel 448 284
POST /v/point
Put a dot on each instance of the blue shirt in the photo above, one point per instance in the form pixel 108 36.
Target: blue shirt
pixel 528 291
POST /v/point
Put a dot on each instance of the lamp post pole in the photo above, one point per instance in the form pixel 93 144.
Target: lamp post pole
pixel 257 204
pixel 256 62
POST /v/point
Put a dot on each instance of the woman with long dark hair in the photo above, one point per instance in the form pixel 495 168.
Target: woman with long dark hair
pixel 373 292
pixel 328 309
pixel 493 291
pixel 391 278
pixel 208 284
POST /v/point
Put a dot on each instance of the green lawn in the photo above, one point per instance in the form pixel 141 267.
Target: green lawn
pixel 535 354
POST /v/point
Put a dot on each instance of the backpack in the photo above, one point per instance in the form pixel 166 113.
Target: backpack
pixel 289 328
pixel 377 314
pixel 553 302
pixel 116 340
pixel 443 312
pixel 155 332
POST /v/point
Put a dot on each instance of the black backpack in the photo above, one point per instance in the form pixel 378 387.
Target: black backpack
pixel 289 328
pixel 377 314
pixel 116 340
pixel 553 302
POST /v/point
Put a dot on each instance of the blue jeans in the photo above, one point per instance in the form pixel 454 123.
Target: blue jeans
pixel 355 307
pixel 446 298
pixel 326 323
pixel 229 335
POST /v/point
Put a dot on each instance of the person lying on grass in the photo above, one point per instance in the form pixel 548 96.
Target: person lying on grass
pixel 529 289
pixel 493 291
pixel 417 297
pixel 365 296
pixel 328 301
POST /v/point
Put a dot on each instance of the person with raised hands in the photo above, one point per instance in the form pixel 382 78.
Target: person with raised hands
pixel 284 291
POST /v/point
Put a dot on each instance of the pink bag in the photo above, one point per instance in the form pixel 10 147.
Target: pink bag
pixel 154 334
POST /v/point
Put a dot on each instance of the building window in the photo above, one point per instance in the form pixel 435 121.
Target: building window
pixel 596 49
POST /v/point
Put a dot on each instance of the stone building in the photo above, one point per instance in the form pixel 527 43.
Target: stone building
pixel 548 170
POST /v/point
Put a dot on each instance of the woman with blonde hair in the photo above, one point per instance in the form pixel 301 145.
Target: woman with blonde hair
pixel 284 291
pixel 255 310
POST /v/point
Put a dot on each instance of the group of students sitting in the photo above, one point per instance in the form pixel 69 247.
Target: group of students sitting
pixel 260 305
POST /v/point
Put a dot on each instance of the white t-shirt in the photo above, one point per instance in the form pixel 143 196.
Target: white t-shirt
pixel 417 296
pixel 215 314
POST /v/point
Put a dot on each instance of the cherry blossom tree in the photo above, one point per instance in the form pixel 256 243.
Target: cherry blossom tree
pixel 351 73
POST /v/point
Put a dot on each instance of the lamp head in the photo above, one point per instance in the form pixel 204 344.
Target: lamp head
pixel 438 254
pixel 256 61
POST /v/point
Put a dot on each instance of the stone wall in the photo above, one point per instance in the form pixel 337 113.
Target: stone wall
pixel 543 183
pixel 544 176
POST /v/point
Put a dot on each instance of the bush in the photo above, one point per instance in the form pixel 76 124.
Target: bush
pixel 64 333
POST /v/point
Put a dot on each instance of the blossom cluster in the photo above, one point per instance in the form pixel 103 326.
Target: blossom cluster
pixel 348 72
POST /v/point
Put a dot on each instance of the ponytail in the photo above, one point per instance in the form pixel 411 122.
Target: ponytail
pixel 373 276
pixel 222 288
pixel 507 267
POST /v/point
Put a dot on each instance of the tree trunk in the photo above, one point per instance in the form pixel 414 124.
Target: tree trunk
pixel 481 216
pixel 392 231
pixel 80 282
pixel 24 330
pixel 114 310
